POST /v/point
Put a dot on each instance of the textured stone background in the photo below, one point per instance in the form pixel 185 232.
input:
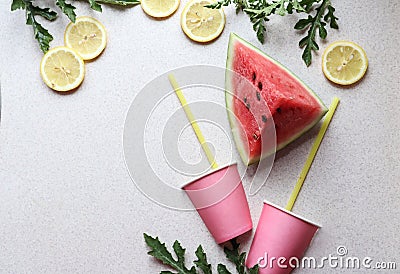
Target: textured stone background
pixel 68 204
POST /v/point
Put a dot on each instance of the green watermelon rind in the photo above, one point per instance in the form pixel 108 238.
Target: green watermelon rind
pixel 229 101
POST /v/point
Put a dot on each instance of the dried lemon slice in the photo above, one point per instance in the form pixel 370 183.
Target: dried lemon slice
pixel 87 36
pixel 202 24
pixel 62 69
pixel 344 62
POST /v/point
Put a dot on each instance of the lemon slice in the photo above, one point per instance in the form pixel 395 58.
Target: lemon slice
pixel 159 8
pixel 344 62
pixel 62 69
pixel 87 36
pixel 202 24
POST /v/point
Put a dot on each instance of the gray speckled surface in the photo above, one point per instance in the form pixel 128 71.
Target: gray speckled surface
pixel 68 204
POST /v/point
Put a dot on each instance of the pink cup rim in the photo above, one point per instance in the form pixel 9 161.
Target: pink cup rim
pixel 292 214
pixel 207 174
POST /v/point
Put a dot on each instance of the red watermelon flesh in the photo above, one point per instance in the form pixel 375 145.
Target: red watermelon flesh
pixel 277 92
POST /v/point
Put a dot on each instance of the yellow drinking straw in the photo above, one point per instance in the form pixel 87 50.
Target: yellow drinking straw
pixel 193 122
pixel 312 154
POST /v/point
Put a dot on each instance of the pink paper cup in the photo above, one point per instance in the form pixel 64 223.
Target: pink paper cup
pixel 280 240
pixel 221 202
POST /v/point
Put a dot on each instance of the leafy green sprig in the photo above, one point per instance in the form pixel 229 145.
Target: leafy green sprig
pixel 41 34
pixel 260 11
pixel 238 259
pixel 324 15
pixel 161 252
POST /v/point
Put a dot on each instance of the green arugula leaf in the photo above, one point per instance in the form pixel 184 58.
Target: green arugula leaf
pixel 235 257
pixel 259 12
pixel 95 6
pixel 295 5
pixel 180 253
pixel 222 269
pixel 254 269
pixel 238 258
pixel 41 34
pixel 308 4
pixel 160 252
pixel 259 28
pixel 219 4
pixel 45 13
pixel 201 261
pixel 331 18
pixel 315 23
pixel 280 8
pixel 120 2
pixel 322 30
pixel 17 4
pixel 239 4
pixel 303 23
pixel 67 9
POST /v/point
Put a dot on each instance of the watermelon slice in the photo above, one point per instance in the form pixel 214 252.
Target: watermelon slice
pixel 276 93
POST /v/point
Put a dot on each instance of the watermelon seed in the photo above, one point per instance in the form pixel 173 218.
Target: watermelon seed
pixel 264 118
pixel 279 110
pixel 258 96
pixel 255 136
pixel 245 99
pixel 248 106
pixel 260 85
pixel 254 76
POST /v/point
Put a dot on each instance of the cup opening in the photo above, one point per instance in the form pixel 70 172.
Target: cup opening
pixel 292 214
pixel 208 191
pixel 208 174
